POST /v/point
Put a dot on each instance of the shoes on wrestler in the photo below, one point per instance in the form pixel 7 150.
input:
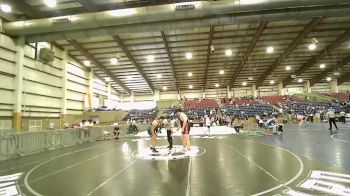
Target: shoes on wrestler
pixel 154 149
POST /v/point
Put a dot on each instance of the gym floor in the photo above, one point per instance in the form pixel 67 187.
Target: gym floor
pixel 229 165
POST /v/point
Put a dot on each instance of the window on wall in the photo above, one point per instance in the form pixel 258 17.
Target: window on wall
pixel 5 124
pixel 35 125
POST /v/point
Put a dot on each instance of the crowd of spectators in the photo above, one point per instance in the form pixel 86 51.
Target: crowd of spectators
pixel 141 115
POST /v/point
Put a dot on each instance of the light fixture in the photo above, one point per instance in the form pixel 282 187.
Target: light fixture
pixel 328 79
pixel 114 61
pixel 159 76
pixel 336 73
pixel 221 72
pixel 228 52
pixel 129 78
pixel 322 66
pixel 272 82
pixel 312 46
pixel 123 12
pixel 6 8
pixel 150 58
pixel 269 49
pixel 217 85
pixel 288 68
pixel 250 78
pixel 189 74
pixel 87 63
pixel 300 80
pixel 165 88
pixel 189 55
pixel 107 79
pixel 190 86
pixel 244 83
pixel 50 3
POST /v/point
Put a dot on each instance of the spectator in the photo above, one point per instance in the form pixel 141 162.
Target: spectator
pixel 342 116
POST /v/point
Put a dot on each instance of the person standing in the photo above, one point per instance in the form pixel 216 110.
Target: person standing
pixel 185 125
pixel 167 125
pixel 154 130
pixel 330 115
pixel 207 124
pixel 342 116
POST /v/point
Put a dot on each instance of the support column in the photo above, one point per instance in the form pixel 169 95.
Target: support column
pixel 280 88
pixel 228 92
pixel 334 86
pixel 254 91
pixel 156 95
pixel 109 95
pixel 17 113
pixel 203 96
pixel 132 97
pixel 63 116
pixel 90 93
pixel 307 87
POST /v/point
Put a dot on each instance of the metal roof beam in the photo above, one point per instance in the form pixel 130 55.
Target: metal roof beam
pixel 28 10
pixel 251 46
pixel 125 50
pixel 170 60
pixel 207 61
pixel 99 65
pixel 318 78
pixel 335 44
pixel 88 4
pixel 307 29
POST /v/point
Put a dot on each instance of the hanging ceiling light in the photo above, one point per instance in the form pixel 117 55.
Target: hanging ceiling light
pixel 288 68
pixel 189 55
pixel 328 79
pixel 244 83
pixel 159 76
pixel 50 3
pixel 269 49
pixel 189 74
pixel 228 52
pixel 150 58
pixel 87 63
pixel 300 80
pixel 217 85
pixel 165 88
pixel 6 8
pixel 322 66
pixel 114 61
pixel 272 82
pixel 221 72
pixel 336 73
pixel 190 86
pixel 312 46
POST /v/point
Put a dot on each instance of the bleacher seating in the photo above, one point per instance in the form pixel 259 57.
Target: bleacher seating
pixel 203 103
pixel 341 96
pixel 141 115
pixel 273 100
pixel 238 101
pixel 312 107
pixel 249 110
pixel 192 113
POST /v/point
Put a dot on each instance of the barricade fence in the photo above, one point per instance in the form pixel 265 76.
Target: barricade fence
pixel 14 144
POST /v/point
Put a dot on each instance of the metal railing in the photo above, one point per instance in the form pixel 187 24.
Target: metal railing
pixel 13 144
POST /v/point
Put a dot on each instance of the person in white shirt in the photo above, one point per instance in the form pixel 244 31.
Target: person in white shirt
pixel 342 117
pixel 330 115
pixel 207 124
